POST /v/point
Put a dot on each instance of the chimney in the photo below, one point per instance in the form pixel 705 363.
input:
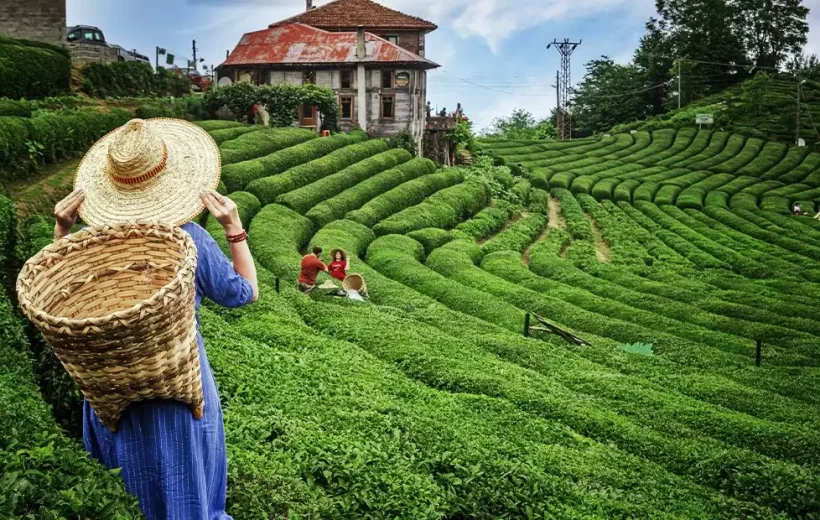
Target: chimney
pixel 308 5
pixel 361 49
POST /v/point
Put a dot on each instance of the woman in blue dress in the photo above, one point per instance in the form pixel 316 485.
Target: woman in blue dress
pixel 174 464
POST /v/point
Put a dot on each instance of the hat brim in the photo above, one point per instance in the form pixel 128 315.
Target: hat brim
pixel 194 164
pixel 337 250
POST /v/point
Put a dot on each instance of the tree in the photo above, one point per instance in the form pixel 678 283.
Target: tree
pixel 652 57
pixel 520 125
pixel 608 95
pixel 771 30
pixel 704 36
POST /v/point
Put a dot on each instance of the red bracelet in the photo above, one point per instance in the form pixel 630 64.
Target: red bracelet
pixel 241 237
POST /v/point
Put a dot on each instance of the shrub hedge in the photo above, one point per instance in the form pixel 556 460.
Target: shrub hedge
pixel 443 209
pixel 32 70
pixel 518 235
pixel 132 79
pixel 238 175
pixel 304 198
pixel 353 198
pixel 29 143
pixel 262 142
pixel 277 234
pixel 405 195
pixel 267 189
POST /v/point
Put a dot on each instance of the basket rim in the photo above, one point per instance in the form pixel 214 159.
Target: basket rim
pixel 40 315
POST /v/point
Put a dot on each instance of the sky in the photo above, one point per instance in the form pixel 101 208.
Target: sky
pixel 492 53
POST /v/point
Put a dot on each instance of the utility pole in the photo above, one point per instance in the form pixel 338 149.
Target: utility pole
pixel 564 116
pixel 557 101
pixel 679 85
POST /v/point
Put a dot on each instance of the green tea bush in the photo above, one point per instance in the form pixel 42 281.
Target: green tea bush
pixel 443 209
pixel 624 190
pixel 13 108
pixel 539 201
pixel 33 70
pixel 691 198
pixel 262 142
pixel 518 235
pixel 267 189
pixel 431 238
pixel 228 134
pixel 603 189
pixel 577 224
pixel 668 194
pixel 237 176
pixel 354 197
pixel 304 198
pixel 405 195
pixel 277 234
pixel 132 79
pixel 486 222
pixel 683 139
pixel 215 124
pixel 29 143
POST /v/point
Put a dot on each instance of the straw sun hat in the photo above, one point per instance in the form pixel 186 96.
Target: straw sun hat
pixel 150 169
pixel 337 250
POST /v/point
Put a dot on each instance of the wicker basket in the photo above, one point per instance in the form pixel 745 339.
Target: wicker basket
pixel 116 303
pixel 354 282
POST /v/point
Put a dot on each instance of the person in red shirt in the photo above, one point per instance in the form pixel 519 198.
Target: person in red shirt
pixel 338 267
pixel 311 265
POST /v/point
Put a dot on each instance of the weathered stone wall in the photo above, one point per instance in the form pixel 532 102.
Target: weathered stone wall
pixel 42 20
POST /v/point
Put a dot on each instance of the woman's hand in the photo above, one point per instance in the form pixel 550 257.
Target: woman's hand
pixel 66 213
pixel 224 210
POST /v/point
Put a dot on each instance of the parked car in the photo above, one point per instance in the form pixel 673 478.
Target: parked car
pixel 86 34
pixel 90 35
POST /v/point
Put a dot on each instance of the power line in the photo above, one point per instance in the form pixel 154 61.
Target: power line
pixel 712 62
pixel 493 89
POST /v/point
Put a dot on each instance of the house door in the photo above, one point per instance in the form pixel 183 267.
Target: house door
pixel 307 115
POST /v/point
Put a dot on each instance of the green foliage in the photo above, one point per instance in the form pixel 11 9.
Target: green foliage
pixel 281 101
pixel 132 79
pixel 405 141
pixel 461 137
pixel 13 108
pixel 29 143
pixel 237 176
pixel 260 142
pixel 278 233
pixel 267 189
pixel 518 235
pixel 32 70
pixel 486 222
pixel 520 125
pixel 355 197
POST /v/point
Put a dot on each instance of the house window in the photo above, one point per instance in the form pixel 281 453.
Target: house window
pixel 347 78
pixel 388 106
pixel 394 39
pixel 387 79
pixel 309 78
pixel 346 104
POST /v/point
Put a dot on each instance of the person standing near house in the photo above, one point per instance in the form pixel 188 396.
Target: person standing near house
pixel 311 267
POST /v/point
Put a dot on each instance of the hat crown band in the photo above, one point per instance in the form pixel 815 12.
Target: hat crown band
pixel 137 154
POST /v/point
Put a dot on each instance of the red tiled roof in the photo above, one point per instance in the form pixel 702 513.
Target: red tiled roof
pixel 350 14
pixel 300 44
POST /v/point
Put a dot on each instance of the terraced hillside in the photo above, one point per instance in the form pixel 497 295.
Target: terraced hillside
pixel 429 401
pixel 686 168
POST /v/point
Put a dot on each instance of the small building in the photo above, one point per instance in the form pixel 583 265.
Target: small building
pixel 378 74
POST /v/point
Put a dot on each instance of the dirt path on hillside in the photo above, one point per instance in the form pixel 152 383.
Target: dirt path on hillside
pixel 602 250
pixel 556 218
pixel 525 256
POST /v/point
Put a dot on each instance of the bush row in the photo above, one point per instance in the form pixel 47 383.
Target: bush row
pixel 518 235
pixel 355 197
pixel 33 70
pixel 404 196
pixel 264 141
pixel 487 221
pixel 577 224
pixel 132 79
pixel 304 198
pixel 443 209
pixel 238 175
pixel 267 189
pixel 277 234
pixel 29 143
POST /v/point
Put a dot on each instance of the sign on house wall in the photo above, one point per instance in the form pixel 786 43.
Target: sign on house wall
pixel 704 119
pixel 402 79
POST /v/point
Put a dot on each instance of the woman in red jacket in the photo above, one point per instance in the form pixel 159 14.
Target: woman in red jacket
pixel 338 266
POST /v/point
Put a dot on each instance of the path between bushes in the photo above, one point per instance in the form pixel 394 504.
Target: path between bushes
pixel 602 250
pixel 556 218
pixel 39 194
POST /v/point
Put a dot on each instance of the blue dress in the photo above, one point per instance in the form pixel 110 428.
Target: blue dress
pixel 175 465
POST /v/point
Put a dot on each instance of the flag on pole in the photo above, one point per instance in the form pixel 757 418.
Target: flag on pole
pixel 169 59
pixel 161 51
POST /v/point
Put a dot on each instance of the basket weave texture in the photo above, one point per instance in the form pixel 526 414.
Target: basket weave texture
pixel 354 282
pixel 117 305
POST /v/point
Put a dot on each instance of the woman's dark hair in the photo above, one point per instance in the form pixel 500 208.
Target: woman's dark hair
pixel 317 250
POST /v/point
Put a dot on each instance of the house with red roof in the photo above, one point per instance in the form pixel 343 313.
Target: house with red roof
pixel 370 55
